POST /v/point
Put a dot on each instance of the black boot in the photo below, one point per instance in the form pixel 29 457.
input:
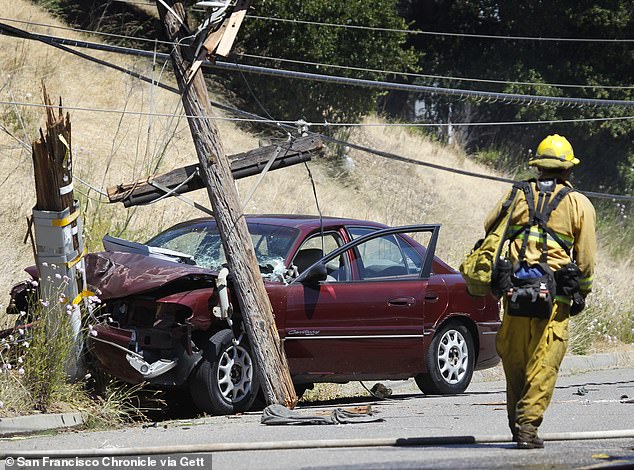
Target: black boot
pixel 527 438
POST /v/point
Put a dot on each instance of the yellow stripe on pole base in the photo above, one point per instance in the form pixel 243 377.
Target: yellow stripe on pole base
pixel 66 220
pixel 72 263
pixel 82 295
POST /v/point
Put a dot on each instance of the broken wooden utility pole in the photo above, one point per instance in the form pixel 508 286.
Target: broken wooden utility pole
pixel 59 244
pixel 248 286
pixel 186 179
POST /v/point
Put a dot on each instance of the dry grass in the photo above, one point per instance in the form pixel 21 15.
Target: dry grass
pixel 110 149
pixel 107 148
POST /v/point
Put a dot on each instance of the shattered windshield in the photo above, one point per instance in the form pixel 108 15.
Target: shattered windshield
pixel 202 241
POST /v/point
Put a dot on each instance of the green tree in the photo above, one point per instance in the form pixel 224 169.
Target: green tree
pixel 606 148
pixel 110 16
pixel 287 98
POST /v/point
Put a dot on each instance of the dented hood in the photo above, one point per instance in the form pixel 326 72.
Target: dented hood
pixel 118 274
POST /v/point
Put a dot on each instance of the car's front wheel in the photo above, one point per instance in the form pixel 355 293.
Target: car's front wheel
pixel 450 361
pixel 226 381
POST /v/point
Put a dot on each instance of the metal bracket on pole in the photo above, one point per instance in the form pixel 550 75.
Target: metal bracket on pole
pixel 217 40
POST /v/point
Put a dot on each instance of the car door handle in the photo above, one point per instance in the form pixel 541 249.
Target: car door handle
pixel 431 297
pixel 402 302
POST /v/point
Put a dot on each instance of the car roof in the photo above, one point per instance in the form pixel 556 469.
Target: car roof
pixel 303 223
pixel 299 221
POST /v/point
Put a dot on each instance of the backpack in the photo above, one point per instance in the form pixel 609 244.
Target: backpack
pixel 531 288
pixel 478 266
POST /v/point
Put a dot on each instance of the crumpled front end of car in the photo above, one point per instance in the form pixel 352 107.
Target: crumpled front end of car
pixel 143 338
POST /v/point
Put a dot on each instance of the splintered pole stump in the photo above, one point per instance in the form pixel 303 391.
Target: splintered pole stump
pixel 253 300
pixel 59 246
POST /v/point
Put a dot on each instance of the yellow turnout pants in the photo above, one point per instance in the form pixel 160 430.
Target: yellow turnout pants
pixel 532 350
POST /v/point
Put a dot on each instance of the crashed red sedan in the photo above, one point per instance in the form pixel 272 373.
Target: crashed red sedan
pixel 352 299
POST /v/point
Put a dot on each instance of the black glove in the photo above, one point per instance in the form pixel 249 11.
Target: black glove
pixel 578 303
pixel 501 277
pixel 567 279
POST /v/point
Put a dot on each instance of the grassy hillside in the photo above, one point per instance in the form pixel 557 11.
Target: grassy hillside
pixel 110 148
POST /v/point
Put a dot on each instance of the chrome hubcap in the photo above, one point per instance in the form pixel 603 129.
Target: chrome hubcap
pixel 235 373
pixel 453 356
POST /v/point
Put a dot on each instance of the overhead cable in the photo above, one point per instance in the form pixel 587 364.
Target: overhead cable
pixel 463 93
pixel 88 31
pixel 296 123
pixel 418 31
pixel 435 77
pixel 507 98
pixel 380 153
pixel 133 2
pixel 99 191
pixel 440 33
pixel 387 155
pixel 411 161
pixel 334 66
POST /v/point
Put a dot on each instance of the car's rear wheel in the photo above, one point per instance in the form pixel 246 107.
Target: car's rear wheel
pixel 226 381
pixel 450 361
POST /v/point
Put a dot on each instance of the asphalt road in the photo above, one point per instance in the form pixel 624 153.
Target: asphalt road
pixel 597 401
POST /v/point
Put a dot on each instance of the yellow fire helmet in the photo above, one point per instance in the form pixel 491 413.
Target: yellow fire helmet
pixel 554 152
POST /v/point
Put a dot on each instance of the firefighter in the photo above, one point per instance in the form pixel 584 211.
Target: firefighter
pixel 532 348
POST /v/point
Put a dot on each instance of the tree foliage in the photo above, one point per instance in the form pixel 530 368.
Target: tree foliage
pixel 287 98
pixel 606 148
pixel 109 16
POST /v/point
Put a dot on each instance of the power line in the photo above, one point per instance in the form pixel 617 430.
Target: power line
pixel 391 156
pixel 99 191
pixel 87 31
pixel 148 4
pixel 504 98
pixel 439 33
pixel 416 32
pixel 300 122
pixel 145 113
pixel 132 2
pixel 335 66
pixel 343 67
pixel 435 77
pixel 411 161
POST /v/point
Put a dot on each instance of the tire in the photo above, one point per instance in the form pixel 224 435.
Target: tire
pixel 450 361
pixel 226 381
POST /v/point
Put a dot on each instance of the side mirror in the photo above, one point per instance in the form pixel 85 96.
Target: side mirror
pixel 316 274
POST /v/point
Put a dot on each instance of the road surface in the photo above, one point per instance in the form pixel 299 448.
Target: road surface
pixel 597 402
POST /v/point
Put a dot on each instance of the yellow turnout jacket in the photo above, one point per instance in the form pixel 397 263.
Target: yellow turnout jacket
pixel 574 222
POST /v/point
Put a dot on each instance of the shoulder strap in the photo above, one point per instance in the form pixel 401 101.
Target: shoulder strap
pixel 539 215
pixel 507 211
pixel 504 209
pixel 557 198
pixel 528 194
pixel 545 215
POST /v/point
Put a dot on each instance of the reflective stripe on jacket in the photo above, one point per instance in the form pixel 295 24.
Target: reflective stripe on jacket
pixel 574 222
